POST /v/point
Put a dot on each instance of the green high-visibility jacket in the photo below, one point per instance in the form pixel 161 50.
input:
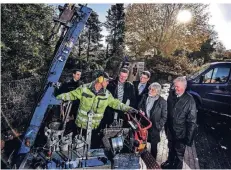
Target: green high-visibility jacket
pixel 90 101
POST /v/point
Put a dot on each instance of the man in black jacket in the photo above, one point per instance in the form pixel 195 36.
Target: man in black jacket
pixel 123 90
pixel 71 84
pixel 141 86
pixel 68 86
pixel 181 123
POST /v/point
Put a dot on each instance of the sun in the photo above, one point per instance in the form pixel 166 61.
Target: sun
pixel 184 16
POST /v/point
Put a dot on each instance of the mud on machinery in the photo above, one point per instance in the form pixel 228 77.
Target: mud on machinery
pixel 46 144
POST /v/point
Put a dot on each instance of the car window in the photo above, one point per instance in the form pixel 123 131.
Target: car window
pixel 220 75
pixel 208 77
pixel 197 73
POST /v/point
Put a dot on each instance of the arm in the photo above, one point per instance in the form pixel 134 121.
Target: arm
pixel 141 104
pixel 61 89
pixel 81 84
pixel 116 104
pixel 191 122
pixel 164 114
pixel 72 95
pixel 133 96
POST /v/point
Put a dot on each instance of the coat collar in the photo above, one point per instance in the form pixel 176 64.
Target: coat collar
pixel 101 92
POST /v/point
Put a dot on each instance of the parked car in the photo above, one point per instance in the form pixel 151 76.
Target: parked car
pixel 211 87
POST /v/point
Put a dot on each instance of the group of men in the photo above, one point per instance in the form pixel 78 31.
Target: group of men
pixel 106 98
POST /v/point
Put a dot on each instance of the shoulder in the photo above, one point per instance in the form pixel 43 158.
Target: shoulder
pixel 112 82
pixel 162 100
pixel 148 84
pixel 128 83
pixel 85 86
pixel 135 82
pixel 171 94
pixel 108 93
pixel 80 82
pixel 66 82
pixel 189 96
pixel 69 81
pixel 144 97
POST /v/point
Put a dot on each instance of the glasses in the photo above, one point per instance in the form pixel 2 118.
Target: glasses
pixel 142 77
pixel 153 90
pixel 146 74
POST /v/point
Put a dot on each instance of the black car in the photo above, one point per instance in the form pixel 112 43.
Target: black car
pixel 211 87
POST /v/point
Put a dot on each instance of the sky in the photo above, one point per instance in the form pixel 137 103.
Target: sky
pixel 220 18
pixel 101 10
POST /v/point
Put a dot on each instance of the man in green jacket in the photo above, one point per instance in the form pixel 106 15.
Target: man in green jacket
pixel 94 97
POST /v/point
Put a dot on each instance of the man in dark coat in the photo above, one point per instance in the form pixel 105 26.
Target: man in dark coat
pixel 66 87
pixel 155 108
pixel 141 86
pixel 123 90
pixel 71 84
pixel 181 123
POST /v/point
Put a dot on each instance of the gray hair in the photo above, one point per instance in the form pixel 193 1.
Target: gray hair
pixel 155 86
pixel 181 79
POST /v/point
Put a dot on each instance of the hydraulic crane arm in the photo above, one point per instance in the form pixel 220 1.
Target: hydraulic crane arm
pixel 75 21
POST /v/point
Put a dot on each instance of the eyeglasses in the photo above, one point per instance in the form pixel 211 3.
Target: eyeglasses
pixel 142 77
pixel 146 74
pixel 153 90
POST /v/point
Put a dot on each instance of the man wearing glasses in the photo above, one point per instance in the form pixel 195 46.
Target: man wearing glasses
pixel 141 86
pixel 122 90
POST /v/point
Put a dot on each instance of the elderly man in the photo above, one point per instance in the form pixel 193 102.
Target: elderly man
pixel 155 108
pixel 181 123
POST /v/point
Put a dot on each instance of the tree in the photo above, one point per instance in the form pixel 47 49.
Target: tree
pixel 205 52
pixel 89 45
pixel 115 24
pixel 25 29
pixel 154 28
pixel 220 50
pixel 94 36
pixel 227 54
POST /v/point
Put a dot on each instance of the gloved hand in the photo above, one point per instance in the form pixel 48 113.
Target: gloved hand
pixel 132 110
pixel 142 112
